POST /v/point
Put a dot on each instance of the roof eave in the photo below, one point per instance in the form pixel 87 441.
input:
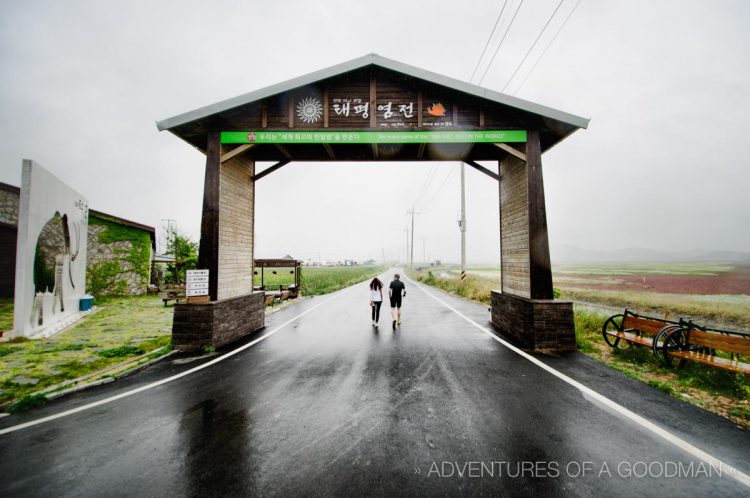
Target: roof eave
pixel 370 59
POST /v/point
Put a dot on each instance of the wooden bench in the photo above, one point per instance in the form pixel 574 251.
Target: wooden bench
pixel 636 330
pixel 172 295
pixel 692 343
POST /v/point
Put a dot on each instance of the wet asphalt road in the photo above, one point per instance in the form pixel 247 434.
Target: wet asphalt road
pixel 330 406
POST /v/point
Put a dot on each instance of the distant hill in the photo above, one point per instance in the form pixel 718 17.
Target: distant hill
pixel 567 254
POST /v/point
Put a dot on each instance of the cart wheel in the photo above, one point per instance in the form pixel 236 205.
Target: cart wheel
pixel 659 339
pixel 673 341
pixel 613 324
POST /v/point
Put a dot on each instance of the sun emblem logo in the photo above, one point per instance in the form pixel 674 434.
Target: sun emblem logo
pixel 309 110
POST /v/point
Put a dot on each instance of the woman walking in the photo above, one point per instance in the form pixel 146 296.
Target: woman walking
pixel 376 299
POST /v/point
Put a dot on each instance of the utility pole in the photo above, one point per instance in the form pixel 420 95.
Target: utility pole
pixel 462 223
pixel 411 254
pixel 424 251
pixel 406 255
pixel 169 228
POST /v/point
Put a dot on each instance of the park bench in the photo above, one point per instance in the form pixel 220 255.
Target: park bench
pixel 635 329
pixel 692 342
pixel 173 294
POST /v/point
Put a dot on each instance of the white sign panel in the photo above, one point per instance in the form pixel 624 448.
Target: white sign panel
pixel 196 283
pixel 50 253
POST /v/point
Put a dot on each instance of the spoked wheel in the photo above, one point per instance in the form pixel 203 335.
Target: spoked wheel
pixel 659 339
pixel 613 324
pixel 673 341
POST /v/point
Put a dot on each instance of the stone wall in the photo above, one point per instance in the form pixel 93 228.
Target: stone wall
pixel 112 257
pixel 9 206
pixel 115 255
pixel 236 218
pixel 514 228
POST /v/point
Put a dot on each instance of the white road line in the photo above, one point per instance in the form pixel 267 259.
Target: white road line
pixel 646 424
pixel 168 379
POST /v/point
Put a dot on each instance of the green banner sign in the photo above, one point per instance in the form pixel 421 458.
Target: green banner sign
pixel 371 137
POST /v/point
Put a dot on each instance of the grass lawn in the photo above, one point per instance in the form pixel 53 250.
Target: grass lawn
pixel 6 314
pixel 122 328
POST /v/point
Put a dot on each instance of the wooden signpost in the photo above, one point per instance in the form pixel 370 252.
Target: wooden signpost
pixel 196 286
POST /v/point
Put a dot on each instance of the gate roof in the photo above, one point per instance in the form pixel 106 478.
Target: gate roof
pixel 373 108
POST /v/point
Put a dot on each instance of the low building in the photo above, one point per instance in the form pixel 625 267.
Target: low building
pixel 119 251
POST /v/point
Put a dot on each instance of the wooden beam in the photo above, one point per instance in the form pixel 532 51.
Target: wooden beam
pixel 236 152
pixel 420 153
pixel 482 169
pixel 208 251
pixel 540 271
pixel 264 116
pixel 290 109
pixel 375 151
pixel 511 150
pixel 373 103
pixel 283 151
pixel 419 109
pixel 329 149
pixel 269 170
pixel 325 107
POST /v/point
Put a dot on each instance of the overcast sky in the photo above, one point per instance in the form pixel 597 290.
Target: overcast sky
pixel 663 165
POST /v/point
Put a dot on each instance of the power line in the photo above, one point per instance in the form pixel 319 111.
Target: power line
pixel 428 180
pixel 486 45
pixel 547 47
pixel 440 190
pixel 501 42
pixel 533 45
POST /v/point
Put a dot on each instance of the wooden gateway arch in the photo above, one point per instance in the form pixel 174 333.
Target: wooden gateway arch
pixel 373 109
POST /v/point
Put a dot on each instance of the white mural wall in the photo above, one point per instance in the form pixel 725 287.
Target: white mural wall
pixel 50 253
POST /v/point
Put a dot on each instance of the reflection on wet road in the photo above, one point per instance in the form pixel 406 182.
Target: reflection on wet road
pixel 330 405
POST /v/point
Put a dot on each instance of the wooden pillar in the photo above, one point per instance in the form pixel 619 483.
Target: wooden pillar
pixel 524 309
pixel 208 250
pixel 227 225
pixel 226 249
pixel 540 271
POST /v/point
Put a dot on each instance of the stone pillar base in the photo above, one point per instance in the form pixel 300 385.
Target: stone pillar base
pixel 196 326
pixel 534 324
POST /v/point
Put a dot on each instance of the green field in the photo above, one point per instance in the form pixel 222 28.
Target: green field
pixel 318 280
pixel 694 269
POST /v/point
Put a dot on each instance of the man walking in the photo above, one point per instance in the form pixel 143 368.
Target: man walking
pixel 396 291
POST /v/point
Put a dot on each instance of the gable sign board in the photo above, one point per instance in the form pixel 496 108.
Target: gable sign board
pixel 372 137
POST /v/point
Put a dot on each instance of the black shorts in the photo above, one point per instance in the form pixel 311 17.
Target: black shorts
pixel 396 302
